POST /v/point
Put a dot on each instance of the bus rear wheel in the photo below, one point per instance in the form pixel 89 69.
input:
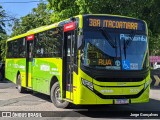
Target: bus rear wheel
pixel 19 86
pixel 55 97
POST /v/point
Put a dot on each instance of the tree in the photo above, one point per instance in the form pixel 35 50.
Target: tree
pixel 3 46
pixel 66 8
pixel 2 25
pixel 38 17
pixel 62 9
pixel 3 35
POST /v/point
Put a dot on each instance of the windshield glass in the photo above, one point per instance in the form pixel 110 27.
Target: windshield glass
pixel 134 54
pixel 99 53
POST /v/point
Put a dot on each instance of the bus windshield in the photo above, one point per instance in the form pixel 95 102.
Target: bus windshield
pixel 99 53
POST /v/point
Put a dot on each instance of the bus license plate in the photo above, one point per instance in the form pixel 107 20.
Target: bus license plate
pixel 121 101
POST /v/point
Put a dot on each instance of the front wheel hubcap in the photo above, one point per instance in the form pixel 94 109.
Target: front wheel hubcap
pixel 58 96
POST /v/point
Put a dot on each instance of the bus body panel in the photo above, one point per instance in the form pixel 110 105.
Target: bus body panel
pixel 43 71
pixel 83 95
pixel 13 66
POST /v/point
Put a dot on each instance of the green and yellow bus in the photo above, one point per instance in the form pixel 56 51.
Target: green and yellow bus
pixel 86 59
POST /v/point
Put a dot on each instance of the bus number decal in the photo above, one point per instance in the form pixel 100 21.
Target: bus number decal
pixel 94 22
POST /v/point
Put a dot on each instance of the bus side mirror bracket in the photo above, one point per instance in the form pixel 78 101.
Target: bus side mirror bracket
pixel 80 42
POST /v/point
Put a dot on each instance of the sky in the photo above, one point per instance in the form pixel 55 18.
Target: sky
pixel 18 9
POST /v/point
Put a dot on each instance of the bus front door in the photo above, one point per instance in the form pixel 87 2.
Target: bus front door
pixel 69 44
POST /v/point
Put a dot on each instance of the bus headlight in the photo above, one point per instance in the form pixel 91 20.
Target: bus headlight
pixel 87 84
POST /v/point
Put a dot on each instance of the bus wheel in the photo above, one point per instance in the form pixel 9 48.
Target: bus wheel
pixel 55 97
pixel 19 87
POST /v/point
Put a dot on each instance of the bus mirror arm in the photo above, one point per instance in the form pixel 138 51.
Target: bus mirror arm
pixel 80 41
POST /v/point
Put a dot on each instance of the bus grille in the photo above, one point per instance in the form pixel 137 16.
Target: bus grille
pixel 119 79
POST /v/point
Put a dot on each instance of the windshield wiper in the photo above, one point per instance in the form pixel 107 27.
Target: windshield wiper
pixel 107 37
pixel 128 42
pixel 130 39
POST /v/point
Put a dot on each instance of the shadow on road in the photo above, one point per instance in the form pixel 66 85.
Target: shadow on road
pixel 6 84
pixel 152 105
pixel 41 96
pixel 131 111
pixel 5 81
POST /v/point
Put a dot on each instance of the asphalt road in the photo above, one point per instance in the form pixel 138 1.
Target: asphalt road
pixel 11 100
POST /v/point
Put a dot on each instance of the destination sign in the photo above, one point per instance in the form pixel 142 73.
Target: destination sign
pixel 113 24
pixel 103 62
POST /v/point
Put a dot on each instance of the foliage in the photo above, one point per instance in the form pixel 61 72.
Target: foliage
pixel 2 25
pixel 3 35
pixel 154 45
pixel 3 46
pixel 62 9
pixel 38 17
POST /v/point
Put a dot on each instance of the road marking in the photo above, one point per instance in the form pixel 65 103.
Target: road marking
pixel 157 80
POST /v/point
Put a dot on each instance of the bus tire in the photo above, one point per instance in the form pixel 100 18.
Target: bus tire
pixel 19 86
pixel 55 95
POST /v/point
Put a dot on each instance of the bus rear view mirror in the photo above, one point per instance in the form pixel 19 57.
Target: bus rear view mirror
pixel 80 41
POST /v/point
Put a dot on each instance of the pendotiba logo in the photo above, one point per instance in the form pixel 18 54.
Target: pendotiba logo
pixel 141 38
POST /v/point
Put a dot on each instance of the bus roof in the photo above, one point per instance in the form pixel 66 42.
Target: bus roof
pixel 33 31
pixel 47 27
pixel 43 28
pixel 37 30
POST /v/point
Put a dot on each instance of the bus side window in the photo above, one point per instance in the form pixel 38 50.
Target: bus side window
pixel 38 45
pixel 22 51
pixel 48 43
pixel 9 49
pixel 15 49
